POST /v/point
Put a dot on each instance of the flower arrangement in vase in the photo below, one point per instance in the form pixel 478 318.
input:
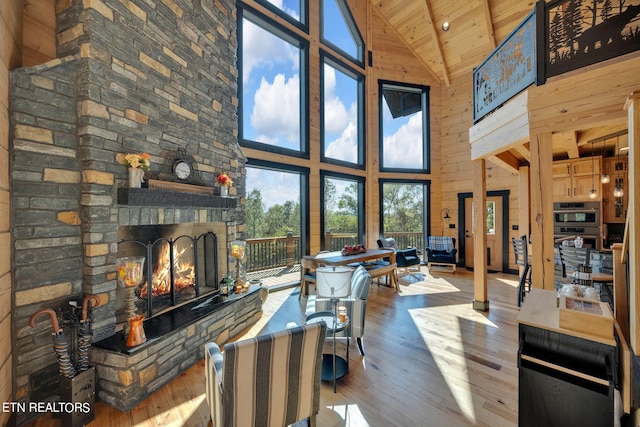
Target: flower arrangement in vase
pixel 224 181
pixel 137 164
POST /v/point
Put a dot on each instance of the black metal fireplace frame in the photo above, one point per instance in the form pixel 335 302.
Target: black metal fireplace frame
pixel 195 240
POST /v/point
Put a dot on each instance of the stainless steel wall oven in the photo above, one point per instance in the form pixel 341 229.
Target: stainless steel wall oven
pixel 578 219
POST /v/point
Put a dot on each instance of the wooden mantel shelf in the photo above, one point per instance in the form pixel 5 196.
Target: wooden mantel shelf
pixel 173 199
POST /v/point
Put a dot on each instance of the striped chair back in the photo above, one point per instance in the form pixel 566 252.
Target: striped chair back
pixel 269 380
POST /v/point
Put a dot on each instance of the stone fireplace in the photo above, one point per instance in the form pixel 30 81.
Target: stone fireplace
pixel 131 77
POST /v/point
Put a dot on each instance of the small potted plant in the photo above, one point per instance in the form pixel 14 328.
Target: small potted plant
pixel 225 283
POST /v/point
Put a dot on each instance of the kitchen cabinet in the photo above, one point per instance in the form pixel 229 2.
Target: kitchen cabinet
pixel 574 179
pixel 615 208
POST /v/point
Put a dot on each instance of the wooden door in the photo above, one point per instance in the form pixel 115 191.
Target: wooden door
pixel 494 233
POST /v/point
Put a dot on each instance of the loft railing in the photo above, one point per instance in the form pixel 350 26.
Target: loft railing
pixel 508 70
pixel 556 37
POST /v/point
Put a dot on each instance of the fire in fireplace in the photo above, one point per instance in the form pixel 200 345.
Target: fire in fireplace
pixel 181 261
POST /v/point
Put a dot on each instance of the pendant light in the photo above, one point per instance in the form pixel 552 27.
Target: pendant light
pixel 618 191
pixel 592 193
pixel 605 178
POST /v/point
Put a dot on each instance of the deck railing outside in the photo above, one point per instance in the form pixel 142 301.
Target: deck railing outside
pixel 277 252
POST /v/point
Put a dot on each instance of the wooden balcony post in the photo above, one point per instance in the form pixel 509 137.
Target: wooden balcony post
pixel 632 232
pixel 327 241
pixel 291 249
pixel 541 184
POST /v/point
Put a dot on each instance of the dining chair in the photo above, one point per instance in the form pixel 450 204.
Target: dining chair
pixel 521 252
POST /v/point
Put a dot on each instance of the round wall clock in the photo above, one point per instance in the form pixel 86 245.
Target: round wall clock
pixel 182 170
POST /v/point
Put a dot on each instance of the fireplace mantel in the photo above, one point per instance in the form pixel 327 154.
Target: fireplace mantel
pixel 164 198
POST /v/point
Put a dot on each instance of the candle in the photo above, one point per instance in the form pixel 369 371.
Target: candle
pixel 342 314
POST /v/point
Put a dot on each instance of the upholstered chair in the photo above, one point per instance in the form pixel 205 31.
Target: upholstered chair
pixel 356 304
pixel 270 380
pixel 441 250
pixel 406 259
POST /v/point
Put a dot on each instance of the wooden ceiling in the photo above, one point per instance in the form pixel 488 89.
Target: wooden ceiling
pixel 476 28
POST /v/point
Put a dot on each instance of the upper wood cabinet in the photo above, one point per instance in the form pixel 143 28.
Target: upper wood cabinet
pixel 615 208
pixel 574 179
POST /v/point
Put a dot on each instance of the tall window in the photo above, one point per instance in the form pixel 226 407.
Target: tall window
pixel 404 130
pixel 276 206
pixel 273 109
pixel 339 30
pixel 343 220
pixel 342 113
pixel 404 211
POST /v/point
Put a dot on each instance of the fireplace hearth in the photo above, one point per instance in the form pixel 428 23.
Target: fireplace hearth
pixel 180 259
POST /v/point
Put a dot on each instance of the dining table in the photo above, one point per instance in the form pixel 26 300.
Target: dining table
pixel 367 258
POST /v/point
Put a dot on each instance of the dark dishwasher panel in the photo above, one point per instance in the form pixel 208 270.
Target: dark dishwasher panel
pixel 565 381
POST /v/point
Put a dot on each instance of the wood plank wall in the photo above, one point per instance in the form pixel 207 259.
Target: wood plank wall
pixel 10 57
pixel 457 167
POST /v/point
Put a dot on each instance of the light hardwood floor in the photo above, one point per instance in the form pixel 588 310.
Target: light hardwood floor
pixel 431 360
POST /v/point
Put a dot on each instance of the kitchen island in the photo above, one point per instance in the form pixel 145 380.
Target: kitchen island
pixel 566 377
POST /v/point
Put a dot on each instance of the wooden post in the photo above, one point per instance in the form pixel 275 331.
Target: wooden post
pixel 632 106
pixel 327 241
pixel 524 215
pixel 290 249
pixel 480 294
pixel 620 301
pixel 542 247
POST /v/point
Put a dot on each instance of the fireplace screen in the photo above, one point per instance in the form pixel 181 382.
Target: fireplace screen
pixel 180 260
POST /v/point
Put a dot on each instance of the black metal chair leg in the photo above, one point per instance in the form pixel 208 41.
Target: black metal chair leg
pixel 360 345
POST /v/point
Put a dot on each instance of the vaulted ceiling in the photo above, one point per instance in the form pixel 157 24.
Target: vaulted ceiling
pixel 476 27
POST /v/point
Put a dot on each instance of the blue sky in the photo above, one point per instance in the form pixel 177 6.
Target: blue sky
pixel 271 87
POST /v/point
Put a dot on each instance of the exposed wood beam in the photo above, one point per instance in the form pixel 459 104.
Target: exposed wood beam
pixel 407 45
pixel 431 29
pixel 506 161
pixel 487 17
pixel 524 151
pixel 570 141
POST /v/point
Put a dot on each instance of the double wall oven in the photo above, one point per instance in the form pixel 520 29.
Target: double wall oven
pixel 573 219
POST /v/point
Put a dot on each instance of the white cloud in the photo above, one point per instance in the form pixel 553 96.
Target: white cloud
pixel 338 120
pixel 276 111
pixel 402 148
pixel 346 146
pixel 261 48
